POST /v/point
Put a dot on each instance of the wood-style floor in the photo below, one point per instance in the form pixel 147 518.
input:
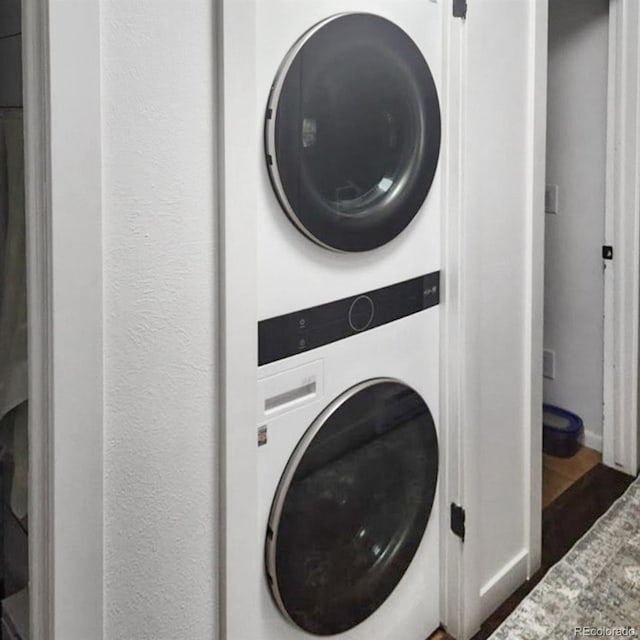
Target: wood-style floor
pixel 572 506
pixel 558 474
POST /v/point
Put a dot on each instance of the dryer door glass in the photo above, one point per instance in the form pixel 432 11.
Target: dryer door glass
pixel 353 132
pixel 352 507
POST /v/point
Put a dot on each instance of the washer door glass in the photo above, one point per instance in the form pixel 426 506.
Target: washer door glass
pixel 353 132
pixel 352 507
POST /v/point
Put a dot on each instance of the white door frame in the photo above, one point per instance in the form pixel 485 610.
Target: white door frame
pixel 238 340
pixel 63 178
pixel 622 231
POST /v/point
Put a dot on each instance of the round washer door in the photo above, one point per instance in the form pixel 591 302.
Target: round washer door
pixel 352 507
pixel 353 132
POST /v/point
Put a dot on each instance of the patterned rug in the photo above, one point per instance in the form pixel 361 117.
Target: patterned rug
pixel 594 590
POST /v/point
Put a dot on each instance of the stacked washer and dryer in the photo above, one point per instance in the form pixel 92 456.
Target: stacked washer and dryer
pixel 348 259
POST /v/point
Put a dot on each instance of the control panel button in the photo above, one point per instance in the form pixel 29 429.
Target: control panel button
pixel 361 313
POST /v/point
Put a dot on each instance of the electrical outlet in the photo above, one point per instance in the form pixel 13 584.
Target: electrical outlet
pixel 551 198
pixel 549 364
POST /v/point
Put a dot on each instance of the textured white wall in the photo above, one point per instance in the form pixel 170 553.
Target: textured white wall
pixel 576 161
pixel 159 287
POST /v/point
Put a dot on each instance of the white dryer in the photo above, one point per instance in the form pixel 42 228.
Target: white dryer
pixel 347 148
pixel 348 468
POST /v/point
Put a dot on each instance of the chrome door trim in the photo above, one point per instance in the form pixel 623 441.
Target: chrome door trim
pixel 287 477
pixel 270 126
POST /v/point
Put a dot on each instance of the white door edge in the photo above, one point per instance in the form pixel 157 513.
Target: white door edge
pixel 237 339
pixel 37 204
pixel 63 192
pixel 451 450
pixel 537 128
pixel 622 232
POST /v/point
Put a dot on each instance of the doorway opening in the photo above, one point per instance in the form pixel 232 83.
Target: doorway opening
pixel 14 458
pixel 575 204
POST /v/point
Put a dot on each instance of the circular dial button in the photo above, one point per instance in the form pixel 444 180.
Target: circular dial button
pixel 361 313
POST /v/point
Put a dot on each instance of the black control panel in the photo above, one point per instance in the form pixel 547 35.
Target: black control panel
pixel 300 331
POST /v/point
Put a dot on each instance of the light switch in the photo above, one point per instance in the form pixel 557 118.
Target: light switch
pixel 551 198
pixel 549 364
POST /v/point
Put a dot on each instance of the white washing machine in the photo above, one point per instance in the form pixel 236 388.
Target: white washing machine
pixel 348 468
pixel 348 288
pixel 347 143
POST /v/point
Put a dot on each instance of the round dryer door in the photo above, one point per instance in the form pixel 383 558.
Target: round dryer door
pixel 353 132
pixel 352 507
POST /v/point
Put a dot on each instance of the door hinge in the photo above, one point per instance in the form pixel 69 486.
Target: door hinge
pixel 457 520
pixel 607 252
pixel 460 9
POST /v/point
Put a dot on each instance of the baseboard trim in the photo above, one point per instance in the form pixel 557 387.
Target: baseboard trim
pixel 592 440
pixel 499 587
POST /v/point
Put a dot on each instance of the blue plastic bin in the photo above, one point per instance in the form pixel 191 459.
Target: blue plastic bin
pixel 561 431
